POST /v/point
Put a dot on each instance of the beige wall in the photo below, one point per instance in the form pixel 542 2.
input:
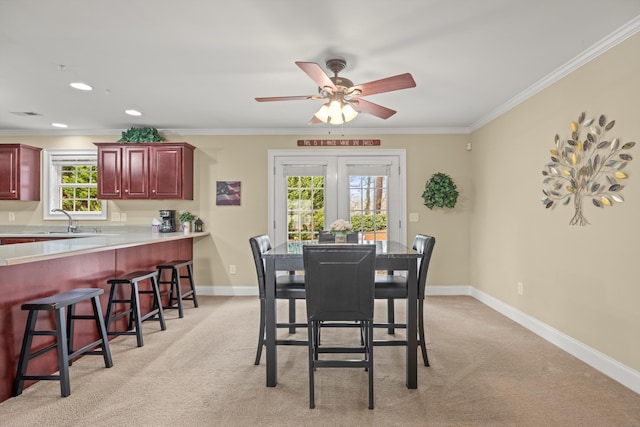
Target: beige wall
pixel 244 158
pixel 583 281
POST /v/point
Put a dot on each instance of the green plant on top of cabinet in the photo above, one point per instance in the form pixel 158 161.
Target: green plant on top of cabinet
pixel 19 172
pixel 145 170
pixel 144 134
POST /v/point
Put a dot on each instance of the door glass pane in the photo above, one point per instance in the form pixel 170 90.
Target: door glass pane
pixel 305 207
pixel 368 207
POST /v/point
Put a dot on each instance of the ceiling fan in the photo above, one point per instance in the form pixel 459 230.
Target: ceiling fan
pixel 343 98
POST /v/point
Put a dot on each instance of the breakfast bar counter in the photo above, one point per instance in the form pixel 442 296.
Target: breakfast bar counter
pixel 69 244
pixel 35 270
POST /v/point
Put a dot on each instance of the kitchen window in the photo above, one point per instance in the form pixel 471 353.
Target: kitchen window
pixel 71 184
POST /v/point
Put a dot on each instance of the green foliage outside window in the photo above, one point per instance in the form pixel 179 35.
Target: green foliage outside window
pixel 369 222
pixel 78 189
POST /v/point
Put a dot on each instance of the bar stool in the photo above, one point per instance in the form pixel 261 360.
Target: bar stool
pixel 64 335
pixel 135 317
pixel 176 295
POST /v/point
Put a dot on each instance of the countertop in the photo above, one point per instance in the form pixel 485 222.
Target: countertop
pixel 79 243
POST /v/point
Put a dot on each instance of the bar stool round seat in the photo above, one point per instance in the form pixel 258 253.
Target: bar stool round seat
pixel 63 333
pixel 175 292
pixel 135 317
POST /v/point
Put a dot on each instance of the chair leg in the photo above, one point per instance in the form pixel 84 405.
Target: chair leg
pixel 18 384
pixel 292 315
pixel 192 285
pixel 63 351
pixel 102 332
pixel 262 331
pixel 369 349
pixel 311 332
pixel 135 313
pixel 176 287
pixel 391 315
pixel 70 329
pixel 421 339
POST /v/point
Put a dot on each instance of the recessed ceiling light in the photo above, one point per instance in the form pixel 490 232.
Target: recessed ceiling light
pixel 59 125
pixel 80 86
pixel 133 112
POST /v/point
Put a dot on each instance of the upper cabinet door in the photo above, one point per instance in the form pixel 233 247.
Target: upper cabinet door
pixel 109 173
pixel 19 172
pixel 135 169
pixel 171 172
pixel 145 170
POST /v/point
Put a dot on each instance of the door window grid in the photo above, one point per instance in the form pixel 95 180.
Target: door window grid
pixel 305 207
pixel 368 208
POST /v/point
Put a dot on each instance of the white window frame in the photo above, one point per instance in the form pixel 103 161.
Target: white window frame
pixel 353 156
pixel 50 187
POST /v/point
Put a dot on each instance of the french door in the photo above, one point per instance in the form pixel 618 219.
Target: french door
pixel 309 189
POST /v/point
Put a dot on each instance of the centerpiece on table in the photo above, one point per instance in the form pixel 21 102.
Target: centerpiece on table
pixel 339 229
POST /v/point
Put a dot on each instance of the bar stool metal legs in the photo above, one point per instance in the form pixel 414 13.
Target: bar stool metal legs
pixel 63 336
pixel 135 317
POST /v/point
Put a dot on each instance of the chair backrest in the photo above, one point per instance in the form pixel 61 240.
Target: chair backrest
pixel 423 244
pixel 260 245
pixel 325 236
pixel 339 281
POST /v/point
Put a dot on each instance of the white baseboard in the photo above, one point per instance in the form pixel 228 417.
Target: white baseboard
pixel 623 374
pixel 227 291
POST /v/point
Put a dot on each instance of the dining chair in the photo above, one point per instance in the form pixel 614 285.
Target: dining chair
pixel 392 287
pixel 288 286
pixel 340 288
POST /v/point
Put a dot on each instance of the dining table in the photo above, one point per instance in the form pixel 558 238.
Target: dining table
pixel 390 255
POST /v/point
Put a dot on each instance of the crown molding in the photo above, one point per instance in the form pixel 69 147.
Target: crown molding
pixel 263 131
pixel 610 41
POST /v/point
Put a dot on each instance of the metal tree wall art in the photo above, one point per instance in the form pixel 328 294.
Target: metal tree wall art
pixel 586 167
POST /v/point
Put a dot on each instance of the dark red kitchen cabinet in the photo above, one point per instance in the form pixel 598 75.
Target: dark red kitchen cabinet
pixel 19 172
pixel 145 170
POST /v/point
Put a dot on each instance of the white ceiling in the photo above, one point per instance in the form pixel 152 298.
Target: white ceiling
pixel 195 66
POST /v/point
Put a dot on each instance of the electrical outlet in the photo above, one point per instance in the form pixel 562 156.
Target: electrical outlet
pixel 520 288
pixel 115 216
pixel 232 269
pixel 123 216
pixel 414 217
pixel 12 216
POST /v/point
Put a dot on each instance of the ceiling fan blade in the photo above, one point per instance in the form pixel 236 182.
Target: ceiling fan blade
pixel 401 81
pixel 316 73
pixel 285 98
pixel 314 121
pixel 374 109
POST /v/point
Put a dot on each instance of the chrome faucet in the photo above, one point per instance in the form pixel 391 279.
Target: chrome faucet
pixel 71 228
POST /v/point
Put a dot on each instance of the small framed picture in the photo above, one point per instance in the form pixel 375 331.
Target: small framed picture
pixel 228 193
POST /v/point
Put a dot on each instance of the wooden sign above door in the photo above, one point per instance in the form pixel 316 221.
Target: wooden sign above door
pixel 338 142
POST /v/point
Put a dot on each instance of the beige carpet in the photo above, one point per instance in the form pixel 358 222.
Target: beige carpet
pixel 485 371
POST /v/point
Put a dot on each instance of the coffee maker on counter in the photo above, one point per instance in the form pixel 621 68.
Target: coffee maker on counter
pixel 168 221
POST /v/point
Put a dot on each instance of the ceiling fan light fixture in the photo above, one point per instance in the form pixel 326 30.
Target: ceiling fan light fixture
pixel 349 112
pixel 336 112
pixel 323 113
